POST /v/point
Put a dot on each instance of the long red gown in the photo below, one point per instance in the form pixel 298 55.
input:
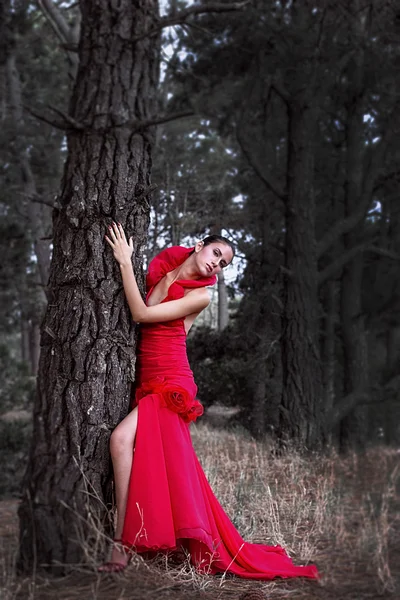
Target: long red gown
pixel 170 502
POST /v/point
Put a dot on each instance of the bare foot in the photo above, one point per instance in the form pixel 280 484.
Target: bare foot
pixel 119 559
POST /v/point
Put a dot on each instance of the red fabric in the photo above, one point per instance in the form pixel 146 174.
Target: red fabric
pixel 170 502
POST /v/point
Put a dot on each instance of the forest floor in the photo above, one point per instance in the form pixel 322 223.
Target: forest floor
pixel 341 513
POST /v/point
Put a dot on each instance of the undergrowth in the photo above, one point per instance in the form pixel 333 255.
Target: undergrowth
pixel 339 512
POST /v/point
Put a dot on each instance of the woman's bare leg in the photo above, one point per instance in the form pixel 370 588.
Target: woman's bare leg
pixel 121 446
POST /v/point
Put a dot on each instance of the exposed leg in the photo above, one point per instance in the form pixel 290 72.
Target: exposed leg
pixel 121 446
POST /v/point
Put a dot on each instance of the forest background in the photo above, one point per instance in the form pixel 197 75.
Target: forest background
pixel 275 124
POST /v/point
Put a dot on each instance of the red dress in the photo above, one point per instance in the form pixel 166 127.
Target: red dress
pixel 170 502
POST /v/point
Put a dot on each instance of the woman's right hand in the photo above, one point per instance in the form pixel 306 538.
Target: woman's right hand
pixel 121 248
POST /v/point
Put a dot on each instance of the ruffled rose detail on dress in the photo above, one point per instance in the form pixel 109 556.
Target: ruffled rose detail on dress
pixel 174 397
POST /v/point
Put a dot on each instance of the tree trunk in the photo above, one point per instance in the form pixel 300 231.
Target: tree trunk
pixel 258 412
pixel 302 389
pixel 328 345
pixel 34 347
pixel 223 313
pixel 392 348
pixel 354 427
pixel 25 339
pixel 88 338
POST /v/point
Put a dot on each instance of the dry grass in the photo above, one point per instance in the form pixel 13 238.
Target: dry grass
pixel 340 513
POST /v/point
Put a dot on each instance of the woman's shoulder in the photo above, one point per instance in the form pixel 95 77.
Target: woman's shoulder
pixel 164 262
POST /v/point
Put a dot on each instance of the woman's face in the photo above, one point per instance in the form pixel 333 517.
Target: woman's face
pixel 211 259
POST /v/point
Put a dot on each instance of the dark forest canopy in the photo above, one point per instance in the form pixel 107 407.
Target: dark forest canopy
pixel 274 123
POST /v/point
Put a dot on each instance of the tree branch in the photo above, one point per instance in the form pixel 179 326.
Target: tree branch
pixel 73 123
pixel 345 405
pixel 69 122
pixel 281 91
pixel 269 181
pixel 252 157
pixel 140 125
pixel 146 192
pixel 287 272
pixel 38 200
pixel 345 225
pixel 68 35
pixel 70 47
pixel 44 119
pixel 383 252
pixel 337 264
pixel 342 260
pixel 186 27
pixel 181 17
pixel 56 19
pixel 341 227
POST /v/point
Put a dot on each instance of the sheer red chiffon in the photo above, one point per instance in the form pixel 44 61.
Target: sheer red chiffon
pixel 170 502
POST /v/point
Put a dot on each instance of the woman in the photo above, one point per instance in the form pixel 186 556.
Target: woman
pixel 164 501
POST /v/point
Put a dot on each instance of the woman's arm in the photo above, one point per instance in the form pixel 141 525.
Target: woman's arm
pixel 194 302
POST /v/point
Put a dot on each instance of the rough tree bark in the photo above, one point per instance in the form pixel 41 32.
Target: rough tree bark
pixel 88 338
pixel 302 386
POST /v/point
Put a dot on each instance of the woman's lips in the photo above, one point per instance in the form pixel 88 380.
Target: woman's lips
pixel 209 269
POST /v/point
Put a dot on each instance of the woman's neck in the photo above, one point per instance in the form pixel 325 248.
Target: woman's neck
pixel 187 270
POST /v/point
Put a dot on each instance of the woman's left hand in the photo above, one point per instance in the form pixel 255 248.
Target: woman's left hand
pixel 121 248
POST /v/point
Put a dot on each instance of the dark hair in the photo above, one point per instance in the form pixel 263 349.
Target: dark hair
pixel 212 239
